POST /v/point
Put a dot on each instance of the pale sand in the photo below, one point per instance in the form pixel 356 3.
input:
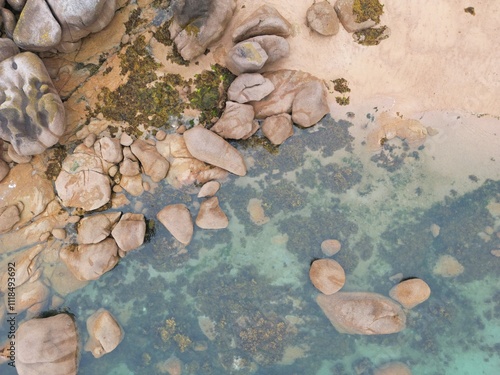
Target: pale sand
pixel 438 57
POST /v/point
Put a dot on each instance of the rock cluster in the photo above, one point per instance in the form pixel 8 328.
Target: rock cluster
pixel 260 40
pixel 43 25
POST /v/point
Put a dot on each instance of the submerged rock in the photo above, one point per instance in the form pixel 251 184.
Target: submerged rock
pixel 249 87
pixel 447 266
pixel 130 231
pixel 411 293
pixel 89 262
pixel 199 23
pixel 266 20
pixel 82 182
pixel 362 313
pixel 209 147
pixel 211 215
pixel 327 276
pixel 393 368
pixel 322 18
pixel 177 219
pixel 47 346
pixel 33 113
pixel 236 122
pixel 104 333
pixel 330 247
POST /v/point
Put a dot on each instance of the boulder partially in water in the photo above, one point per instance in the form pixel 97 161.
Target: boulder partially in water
pixel 90 261
pixel 362 313
pixel 211 215
pixel 278 128
pixel 236 122
pixel 210 148
pixel 105 333
pixel 327 275
pixel 177 219
pixel 47 346
pixel 130 231
pixel 411 293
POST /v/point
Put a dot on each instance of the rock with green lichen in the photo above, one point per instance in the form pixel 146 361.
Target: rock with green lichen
pixel 197 24
pixel 32 112
pixel 246 57
pixel 349 18
pixel 371 36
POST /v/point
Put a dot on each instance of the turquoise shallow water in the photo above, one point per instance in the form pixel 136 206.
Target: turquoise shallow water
pixel 252 281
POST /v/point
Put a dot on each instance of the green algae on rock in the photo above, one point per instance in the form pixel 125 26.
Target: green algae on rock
pixel 371 36
pixel 145 98
pixel 367 10
pixel 210 93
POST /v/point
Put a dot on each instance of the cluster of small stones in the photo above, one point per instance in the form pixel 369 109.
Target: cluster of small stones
pixel 370 313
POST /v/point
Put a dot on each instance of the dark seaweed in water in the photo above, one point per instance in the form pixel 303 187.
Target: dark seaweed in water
pixel 461 219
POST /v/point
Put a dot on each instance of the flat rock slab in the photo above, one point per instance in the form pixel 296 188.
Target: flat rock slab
pixel 83 183
pixel 32 113
pixel 89 262
pixel 211 148
pixel 362 313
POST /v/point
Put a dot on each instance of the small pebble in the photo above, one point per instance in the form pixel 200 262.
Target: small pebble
pixel 117 189
pixel 161 135
pixel 146 186
pixel 90 140
pixel 126 140
pixel 74 219
pixel 113 170
pixel 125 39
pixel 59 233
pixel 20 159
pixel 496 253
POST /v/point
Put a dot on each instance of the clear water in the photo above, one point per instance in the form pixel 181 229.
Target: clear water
pixel 252 281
